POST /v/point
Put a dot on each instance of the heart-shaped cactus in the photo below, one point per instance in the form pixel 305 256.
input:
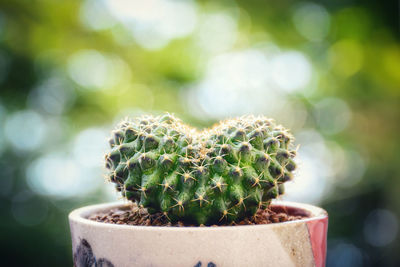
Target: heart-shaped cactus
pixel 218 175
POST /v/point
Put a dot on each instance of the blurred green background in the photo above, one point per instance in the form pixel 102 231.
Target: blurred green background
pixel 329 70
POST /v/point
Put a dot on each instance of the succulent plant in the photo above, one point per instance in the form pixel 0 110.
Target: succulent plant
pixel 218 175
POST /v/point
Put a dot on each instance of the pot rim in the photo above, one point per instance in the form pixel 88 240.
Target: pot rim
pixel 80 215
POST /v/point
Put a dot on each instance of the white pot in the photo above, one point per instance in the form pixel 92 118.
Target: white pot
pixel 294 243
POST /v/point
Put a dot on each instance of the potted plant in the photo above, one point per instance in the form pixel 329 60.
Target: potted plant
pixel 180 182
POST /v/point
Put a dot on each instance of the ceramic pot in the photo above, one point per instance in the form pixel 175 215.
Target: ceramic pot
pixel 294 243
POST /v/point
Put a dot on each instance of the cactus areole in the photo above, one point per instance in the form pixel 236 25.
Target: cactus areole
pixel 215 176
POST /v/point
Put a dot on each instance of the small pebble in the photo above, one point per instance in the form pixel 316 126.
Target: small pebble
pixel 133 215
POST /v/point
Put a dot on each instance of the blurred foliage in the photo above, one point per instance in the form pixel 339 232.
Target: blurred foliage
pixel 70 69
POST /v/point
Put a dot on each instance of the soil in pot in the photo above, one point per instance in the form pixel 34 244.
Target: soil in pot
pixel 133 215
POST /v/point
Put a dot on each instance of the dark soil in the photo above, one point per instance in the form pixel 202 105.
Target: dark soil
pixel 132 215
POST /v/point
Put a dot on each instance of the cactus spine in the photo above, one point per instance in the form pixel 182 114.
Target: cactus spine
pixel 219 175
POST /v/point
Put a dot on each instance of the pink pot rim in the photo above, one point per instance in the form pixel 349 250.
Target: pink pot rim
pixel 80 216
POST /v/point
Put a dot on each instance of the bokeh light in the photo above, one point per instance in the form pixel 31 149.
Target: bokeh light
pixel 96 16
pixel 244 82
pixel 332 115
pixel 25 130
pixel 380 227
pixel 217 32
pixel 60 176
pixel 96 71
pixel 312 21
pixel 28 209
pixel 345 254
pixel 291 71
pixel 346 57
pixel 89 147
pixel 311 183
pixel 53 96
pixel 64 175
pixel 155 23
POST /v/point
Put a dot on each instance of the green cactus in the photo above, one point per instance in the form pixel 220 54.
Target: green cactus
pixel 219 175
